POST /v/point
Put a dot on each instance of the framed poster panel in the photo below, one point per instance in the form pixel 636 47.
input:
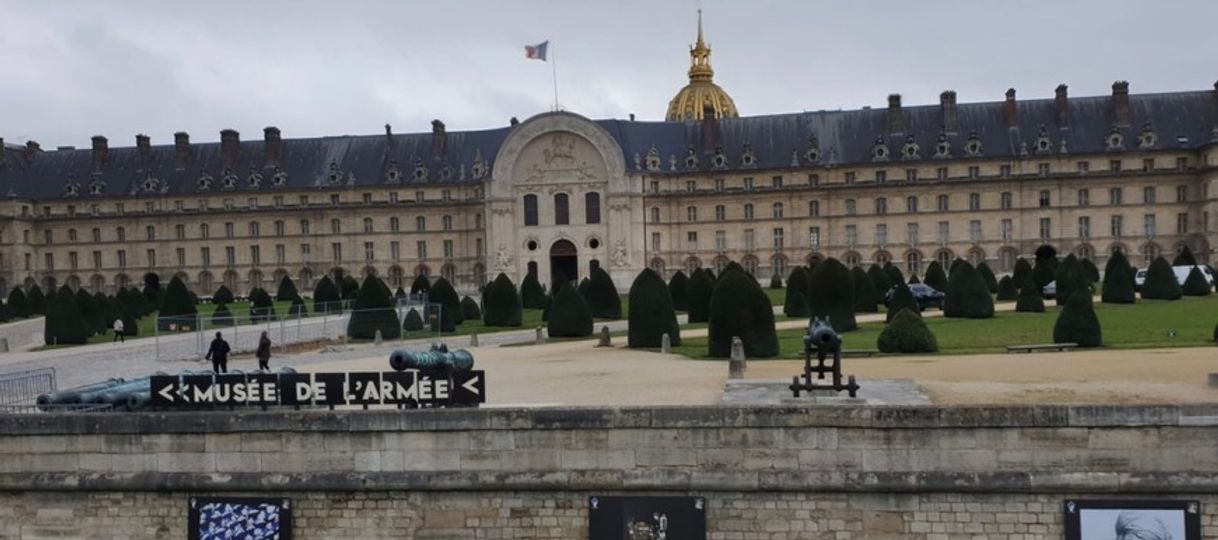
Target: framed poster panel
pixel 220 518
pixel 646 518
pixel 1132 520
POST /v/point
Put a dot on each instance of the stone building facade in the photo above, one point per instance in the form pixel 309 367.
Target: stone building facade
pixel 981 181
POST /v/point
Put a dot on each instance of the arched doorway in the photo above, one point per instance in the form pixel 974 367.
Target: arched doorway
pixel 564 262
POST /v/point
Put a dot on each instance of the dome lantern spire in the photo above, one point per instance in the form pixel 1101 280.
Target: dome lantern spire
pixel 699 57
pixel 701 97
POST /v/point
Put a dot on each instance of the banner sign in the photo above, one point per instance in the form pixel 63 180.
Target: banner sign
pixel 651 518
pixel 410 388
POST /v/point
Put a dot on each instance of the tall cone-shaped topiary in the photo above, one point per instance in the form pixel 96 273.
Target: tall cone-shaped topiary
pixel 1044 271
pixel 1196 284
pixel 1023 270
pixel 739 308
pixel 420 284
pixel 89 311
pixel 1118 281
pixel 952 267
pixel 222 316
pixel 796 302
pixel 1161 282
pixel 373 310
pixel 348 288
pixel 106 312
pixel 864 292
pixel 450 315
pixel 413 321
pixel 602 296
pixel 879 282
pixel 698 292
pixel 64 323
pixel 297 309
pixel 222 296
pixel 832 295
pixel 570 315
pixel 991 282
pixel 651 313
pixel 470 310
pixel 906 333
pixel 1077 322
pixel 902 299
pixel 502 303
pixel 1030 299
pixel 16 302
pixel 913 279
pixel 131 325
pixel 967 295
pixel 35 301
pixel 1070 277
pixel 776 282
pixel 934 277
pixel 325 297
pixel 287 289
pixel 676 289
pixel 894 276
pixel 262 307
pixel 1007 290
pixel 532 296
pixel 176 306
pixel 1089 270
pixel 1185 258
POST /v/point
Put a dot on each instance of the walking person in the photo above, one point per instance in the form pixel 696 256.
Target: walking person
pixel 218 354
pixel 264 352
pixel 118 331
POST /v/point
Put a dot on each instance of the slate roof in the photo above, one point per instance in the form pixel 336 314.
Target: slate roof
pixel 1178 120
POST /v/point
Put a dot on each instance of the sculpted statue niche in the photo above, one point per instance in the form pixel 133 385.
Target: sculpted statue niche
pixel 559 157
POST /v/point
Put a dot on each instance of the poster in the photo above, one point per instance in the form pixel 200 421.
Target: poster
pixel 1132 520
pixel 646 518
pixel 223 518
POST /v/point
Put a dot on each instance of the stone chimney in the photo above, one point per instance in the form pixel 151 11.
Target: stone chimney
pixel 143 149
pixel 230 148
pixel 1010 111
pixel 274 146
pixel 513 122
pixel 181 147
pixel 710 128
pixel 896 121
pixel 947 107
pixel 439 139
pixel 32 148
pixel 101 152
pixel 1061 107
pixel 1120 103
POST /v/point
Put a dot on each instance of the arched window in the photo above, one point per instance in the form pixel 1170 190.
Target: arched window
pixel 913 263
pixel 1006 260
pixel 750 265
pixel 851 259
pixel 530 210
pixel 562 214
pixel 945 258
pixel 592 207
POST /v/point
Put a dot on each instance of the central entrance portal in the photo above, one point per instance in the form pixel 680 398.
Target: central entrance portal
pixel 564 263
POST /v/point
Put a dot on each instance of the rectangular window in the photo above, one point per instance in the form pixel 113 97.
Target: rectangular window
pixel 228 230
pixel 1044 198
pixel 911 175
pixel 1117 226
pixel 881 206
pixel 179 231
pixel 655 186
pixel 334 200
pixel 851 207
pixel 720 212
pixel 1042 169
pixel 367 198
pixel 1007 230
pixel 446 195
pixel 1148 225
pixel 1181 193
pixel 49 238
pixel 719 184
pixel 304 200
pixel 74 264
pixel 230 255
pixel 122 258
pixel 691 240
pixel 420 223
pixel 881 177
pixel 1148 164
pixel 336 251
pixel 278 201
pixel 1115 196
pixel 1148 195
pixel 779 238
pixel 776 182
pixel 974 202
pixel 1004 200
pixel 420 248
pixel 393 197
pixel 419 197
pixel 748 184
pixel 720 241
pixel 1114 165
pixel 814 236
pixel 941 203
pixel 181 256
pixel 974 172
pixel 911 204
pixel 1181 163
pixel 852 235
pixel 691 186
pixel 97 260
pixel 1084 197
pixel 691 213
pixel 748 211
pixel 1045 228
pixel 151 256
pixel 205 256
pixel 777 210
pixel 1084 227
pixel 448 249
pixel 446 223
pixel 813 208
pixel 750 240
pixel 395 250
pixel 306 253
pixel 27 262
pixel 97 236
pixel 941 173
pixel 1004 170
pixel 850 177
pixel 813 179
pixel 974 231
pixel 1182 223
pixel 655 242
pixel 1084 166
pixel 50 261
pixel 881 234
pixel 369 252
pixel 252 203
pixel 944 232
pixel 280 254
pixel 911 234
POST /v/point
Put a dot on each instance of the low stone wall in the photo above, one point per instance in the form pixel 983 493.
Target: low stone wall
pixel 771 472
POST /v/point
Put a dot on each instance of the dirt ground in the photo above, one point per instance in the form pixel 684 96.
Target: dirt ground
pixel 579 374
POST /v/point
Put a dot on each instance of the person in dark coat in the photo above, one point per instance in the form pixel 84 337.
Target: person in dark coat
pixel 264 352
pixel 218 354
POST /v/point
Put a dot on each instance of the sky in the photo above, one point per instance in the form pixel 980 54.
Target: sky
pixel 74 69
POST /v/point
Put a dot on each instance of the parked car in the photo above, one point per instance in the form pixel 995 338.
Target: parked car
pixel 924 294
pixel 1049 291
pixel 1181 273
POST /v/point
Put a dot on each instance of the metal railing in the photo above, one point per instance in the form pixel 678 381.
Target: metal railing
pixel 21 388
pixel 60 408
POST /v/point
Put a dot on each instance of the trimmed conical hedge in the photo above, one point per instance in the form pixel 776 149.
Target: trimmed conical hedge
pixel 1185 258
pixel 176 306
pixel 1077 322
pixel 469 308
pixel 739 308
pixel 1070 277
pixel 420 284
pixel 222 316
pixel 913 280
pixel 832 295
pixel 953 266
pixel 35 302
pixel 225 296
pixel 991 282
pixel 796 302
pixel 698 292
pixel 967 295
pixel 894 276
pixel 64 323
pixel 864 292
pixel 287 289
pixel 451 315
pixel 16 302
pixel 902 300
pixel 131 326
pixel 651 313
pixel 1089 270
pixel 348 288
pixel 413 321
pixel 1196 284
pixel 262 307
pixel 1030 299
pixel 776 282
pixel 399 294
pixel 676 289
pixel 502 303
pixel 602 296
pixel 570 315
pixel 1045 251
pixel 90 312
pixel 934 276
pixel 297 309
pixel 152 289
pixel 1044 271
pixel 532 296
pixel 879 281
pixel 1023 270
pixel 1118 281
pixel 373 310
pixel 907 333
pixel 1007 290
pixel 325 297
pixel 1161 282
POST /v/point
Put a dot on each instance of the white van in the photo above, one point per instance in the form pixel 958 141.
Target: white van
pixel 1181 275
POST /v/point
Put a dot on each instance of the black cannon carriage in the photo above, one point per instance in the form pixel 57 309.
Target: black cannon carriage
pixel 823 341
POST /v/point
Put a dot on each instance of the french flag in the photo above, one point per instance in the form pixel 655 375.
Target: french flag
pixel 537 52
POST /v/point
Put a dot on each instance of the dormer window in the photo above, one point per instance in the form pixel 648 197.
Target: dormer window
pixel 229 181
pixel 255 179
pixel 420 170
pixel 748 159
pixel 204 182
pixel 1115 140
pixel 653 159
pixel 719 161
pixel 879 152
pixel 393 174
pixel 1148 138
pixel 973 146
pixel 280 178
pixel 812 154
pixel 446 173
pixel 691 158
pixel 911 149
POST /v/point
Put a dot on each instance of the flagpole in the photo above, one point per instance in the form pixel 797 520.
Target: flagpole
pixel 554 73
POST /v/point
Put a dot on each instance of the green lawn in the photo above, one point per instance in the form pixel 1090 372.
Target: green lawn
pixel 1188 322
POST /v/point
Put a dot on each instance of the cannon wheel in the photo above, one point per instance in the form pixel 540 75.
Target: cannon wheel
pixel 853 386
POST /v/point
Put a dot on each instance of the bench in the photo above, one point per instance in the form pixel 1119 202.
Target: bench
pixel 858 353
pixel 1041 347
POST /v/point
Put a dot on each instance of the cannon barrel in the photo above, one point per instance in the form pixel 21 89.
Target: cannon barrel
pixel 116 396
pixel 821 334
pixel 72 396
pixel 458 360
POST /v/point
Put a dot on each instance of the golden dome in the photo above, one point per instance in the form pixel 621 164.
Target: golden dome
pixel 701 97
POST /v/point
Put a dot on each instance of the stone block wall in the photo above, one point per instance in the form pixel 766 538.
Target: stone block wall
pixel 766 473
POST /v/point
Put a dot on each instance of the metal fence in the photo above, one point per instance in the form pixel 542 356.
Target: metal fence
pixel 21 388
pixel 58 408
